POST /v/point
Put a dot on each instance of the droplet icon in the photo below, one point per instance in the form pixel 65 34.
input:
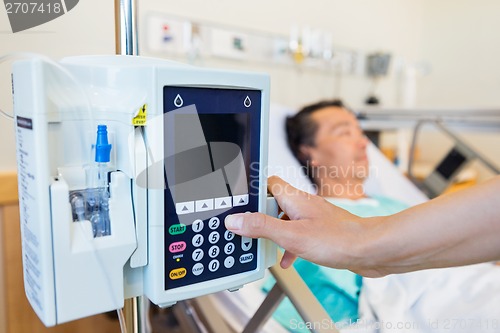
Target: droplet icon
pixel 247 102
pixel 178 101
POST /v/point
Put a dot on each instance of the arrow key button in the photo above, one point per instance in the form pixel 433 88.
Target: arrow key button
pixel 246 243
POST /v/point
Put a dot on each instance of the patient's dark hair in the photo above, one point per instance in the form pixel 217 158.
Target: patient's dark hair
pixel 301 130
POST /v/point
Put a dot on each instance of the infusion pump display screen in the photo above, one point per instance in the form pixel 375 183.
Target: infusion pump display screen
pixel 211 149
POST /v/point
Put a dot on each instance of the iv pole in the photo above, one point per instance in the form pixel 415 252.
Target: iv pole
pixel 126 27
pixel 126 44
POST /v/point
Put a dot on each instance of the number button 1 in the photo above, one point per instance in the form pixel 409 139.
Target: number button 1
pixel 197 225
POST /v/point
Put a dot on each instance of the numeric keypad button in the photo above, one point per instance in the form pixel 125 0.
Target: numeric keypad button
pixel 214 223
pixel 213 237
pixel 197 225
pixel 229 262
pixel 197 254
pixel 213 265
pixel 229 248
pixel 197 240
pixel 198 269
pixel 228 235
pixel 214 251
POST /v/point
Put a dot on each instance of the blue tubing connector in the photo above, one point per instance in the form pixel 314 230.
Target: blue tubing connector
pixel 102 146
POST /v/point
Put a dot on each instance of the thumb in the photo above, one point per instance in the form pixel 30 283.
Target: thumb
pixel 253 225
pixel 288 259
pixel 257 225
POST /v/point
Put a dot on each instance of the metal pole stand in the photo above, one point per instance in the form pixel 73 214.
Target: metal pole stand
pixel 126 44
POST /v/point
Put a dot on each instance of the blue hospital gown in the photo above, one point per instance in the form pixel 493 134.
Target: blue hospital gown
pixel 337 290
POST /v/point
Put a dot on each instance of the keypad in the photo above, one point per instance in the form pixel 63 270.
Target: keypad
pixel 206 250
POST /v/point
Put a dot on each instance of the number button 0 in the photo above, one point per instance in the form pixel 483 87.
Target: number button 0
pixel 197 225
pixel 197 254
pixel 213 265
pixel 197 240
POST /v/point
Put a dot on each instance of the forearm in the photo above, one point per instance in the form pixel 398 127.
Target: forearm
pixel 456 229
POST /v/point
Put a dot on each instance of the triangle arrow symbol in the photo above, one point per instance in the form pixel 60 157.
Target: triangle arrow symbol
pixel 184 209
pixel 242 201
pixel 223 203
pixel 204 206
pixel 247 244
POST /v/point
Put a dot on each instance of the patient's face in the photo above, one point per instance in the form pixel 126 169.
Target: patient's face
pixel 340 145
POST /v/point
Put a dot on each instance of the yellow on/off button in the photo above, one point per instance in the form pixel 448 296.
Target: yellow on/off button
pixel 177 273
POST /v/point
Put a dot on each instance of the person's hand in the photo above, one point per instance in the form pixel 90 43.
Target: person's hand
pixel 317 230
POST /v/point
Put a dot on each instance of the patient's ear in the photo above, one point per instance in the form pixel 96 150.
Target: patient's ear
pixel 307 154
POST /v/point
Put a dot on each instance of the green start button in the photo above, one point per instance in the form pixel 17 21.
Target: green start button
pixel 177 229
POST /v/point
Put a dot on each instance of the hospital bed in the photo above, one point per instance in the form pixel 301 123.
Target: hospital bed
pixel 241 311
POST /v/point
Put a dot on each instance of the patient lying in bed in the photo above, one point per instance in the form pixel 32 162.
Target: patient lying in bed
pixel 329 144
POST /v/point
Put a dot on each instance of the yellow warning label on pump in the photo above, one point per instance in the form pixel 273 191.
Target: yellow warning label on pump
pixel 140 118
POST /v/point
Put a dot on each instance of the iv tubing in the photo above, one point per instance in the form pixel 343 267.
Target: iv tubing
pixel 121 318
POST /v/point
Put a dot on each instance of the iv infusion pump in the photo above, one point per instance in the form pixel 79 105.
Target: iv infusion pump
pixel 127 168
